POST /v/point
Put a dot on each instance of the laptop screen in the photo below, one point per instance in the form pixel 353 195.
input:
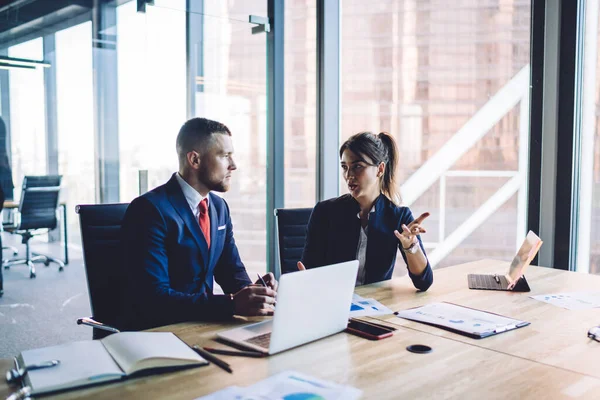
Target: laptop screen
pixel 526 253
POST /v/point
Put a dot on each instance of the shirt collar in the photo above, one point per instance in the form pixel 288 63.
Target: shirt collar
pixel 372 211
pixel 191 195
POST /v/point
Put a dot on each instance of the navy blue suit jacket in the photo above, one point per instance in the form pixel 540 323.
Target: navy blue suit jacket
pixel 169 268
pixel 334 229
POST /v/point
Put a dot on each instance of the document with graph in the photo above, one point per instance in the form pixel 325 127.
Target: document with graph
pixel 462 320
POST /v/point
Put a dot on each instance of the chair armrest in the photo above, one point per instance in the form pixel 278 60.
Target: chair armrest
pixel 95 324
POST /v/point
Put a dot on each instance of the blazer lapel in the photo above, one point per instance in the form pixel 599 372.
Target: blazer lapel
pixel 180 204
pixel 376 240
pixel 214 224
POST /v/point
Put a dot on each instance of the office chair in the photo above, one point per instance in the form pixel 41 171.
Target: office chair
pixel 291 226
pixel 29 181
pixel 36 215
pixel 101 238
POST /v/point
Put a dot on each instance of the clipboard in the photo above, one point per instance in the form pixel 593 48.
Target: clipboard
pixel 465 321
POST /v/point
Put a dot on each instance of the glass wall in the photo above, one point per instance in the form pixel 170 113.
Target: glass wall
pixel 300 103
pixel 449 81
pixel 151 91
pixel 27 114
pixel 75 120
pixel 588 251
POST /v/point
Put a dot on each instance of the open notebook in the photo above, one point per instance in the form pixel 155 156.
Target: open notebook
pixel 113 358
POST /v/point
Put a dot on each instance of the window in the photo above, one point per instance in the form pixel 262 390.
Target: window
pixel 27 114
pixel 449 81
pixel 74 90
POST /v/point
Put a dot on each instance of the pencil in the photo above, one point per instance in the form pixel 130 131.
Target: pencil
pixel 242 353
pixel 212 358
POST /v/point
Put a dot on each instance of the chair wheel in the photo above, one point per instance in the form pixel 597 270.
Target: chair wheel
pixel 32 275
pixel 60 269
pixel 7 267
pixel 46 263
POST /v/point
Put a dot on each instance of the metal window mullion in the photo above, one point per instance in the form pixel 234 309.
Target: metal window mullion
pixel 328 97
pixel 106 108
pixel 51 110
pixel 194 18
pixel 275 124
pixel 565 237
pixel 549 125
pixel 5 105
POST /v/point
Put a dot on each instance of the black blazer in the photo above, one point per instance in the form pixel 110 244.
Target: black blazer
pixel 334 229
pixel 168 266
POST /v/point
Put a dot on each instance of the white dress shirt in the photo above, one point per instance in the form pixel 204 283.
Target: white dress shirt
pixel 192 196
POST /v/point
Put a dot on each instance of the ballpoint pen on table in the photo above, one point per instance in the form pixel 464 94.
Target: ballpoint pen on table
pixel 14 374
pixel 243 353
pixel 212 358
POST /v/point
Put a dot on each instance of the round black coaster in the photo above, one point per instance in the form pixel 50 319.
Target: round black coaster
pixel 419 348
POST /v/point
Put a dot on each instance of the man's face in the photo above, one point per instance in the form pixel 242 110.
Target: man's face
pixel 217 163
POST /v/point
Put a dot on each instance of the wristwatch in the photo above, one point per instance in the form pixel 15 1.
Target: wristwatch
pixel 412 249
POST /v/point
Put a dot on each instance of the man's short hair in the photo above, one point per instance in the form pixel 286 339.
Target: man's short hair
pixel 196 134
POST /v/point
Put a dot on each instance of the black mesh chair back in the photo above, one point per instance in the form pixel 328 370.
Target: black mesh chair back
pixel 37 208
pixel 102 256
pixel 31 181
pixel 291 232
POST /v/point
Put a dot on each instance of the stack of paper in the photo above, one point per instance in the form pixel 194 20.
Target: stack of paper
pixel 287 385
pixel 571 301
pixel 362 307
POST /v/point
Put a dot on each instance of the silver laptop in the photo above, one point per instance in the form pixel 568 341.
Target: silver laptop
pixel 311 304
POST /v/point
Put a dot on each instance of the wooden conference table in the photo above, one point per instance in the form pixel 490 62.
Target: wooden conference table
pixel 552 358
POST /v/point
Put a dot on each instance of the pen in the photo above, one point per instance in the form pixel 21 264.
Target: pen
pixel 242 353
pixel 261 280
pixel 212 358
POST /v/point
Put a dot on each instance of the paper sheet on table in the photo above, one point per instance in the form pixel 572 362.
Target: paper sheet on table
pixel 288 385
pixel 571 301
pixel 229 393
pixel 362 307
pixel 460 318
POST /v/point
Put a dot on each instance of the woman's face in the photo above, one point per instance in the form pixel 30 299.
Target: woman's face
pixel 361 176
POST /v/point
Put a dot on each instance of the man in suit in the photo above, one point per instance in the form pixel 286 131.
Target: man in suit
pixel 179 236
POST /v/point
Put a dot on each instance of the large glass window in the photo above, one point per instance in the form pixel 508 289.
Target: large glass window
pixel 27 114
pixel 300 103
pixel 588 251
pixel 449 80
pixel 151 86
pixel 74 91
pixel 232 89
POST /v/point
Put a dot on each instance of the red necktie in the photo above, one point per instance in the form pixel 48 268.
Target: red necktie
pixel 204 220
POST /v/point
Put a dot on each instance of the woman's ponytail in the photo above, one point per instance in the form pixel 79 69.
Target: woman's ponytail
pixel 389 186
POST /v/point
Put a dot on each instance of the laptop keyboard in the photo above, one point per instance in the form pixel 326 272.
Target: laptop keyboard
pixel 487 282
pixel 261 340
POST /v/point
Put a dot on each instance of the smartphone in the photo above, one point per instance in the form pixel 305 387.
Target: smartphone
pixel 367 330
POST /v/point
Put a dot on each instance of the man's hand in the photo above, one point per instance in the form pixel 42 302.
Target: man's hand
pixel 254 300
pixel 269 280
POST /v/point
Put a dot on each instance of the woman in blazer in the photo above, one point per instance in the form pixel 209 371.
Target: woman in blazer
pixel 368 224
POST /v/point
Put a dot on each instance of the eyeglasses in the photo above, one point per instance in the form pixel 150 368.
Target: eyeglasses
pixel 594 333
